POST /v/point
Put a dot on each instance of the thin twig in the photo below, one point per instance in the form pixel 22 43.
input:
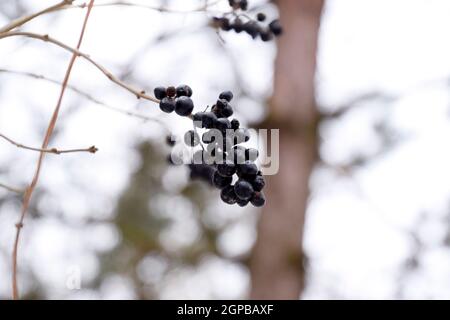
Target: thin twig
pixel 51 126
pixel 91 149
pixel 46 38
pixel 85 95
pixel 22 20
pixel 11 189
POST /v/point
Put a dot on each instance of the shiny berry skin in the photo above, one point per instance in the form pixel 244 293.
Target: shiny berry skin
pixel 235 124
pixel 191 138
pixel 226 169
pixel 220 181
pixel 171 91
pixel 167 105
pixel 227 95
pixel 228 195
pixel 275 27
pixel 160 93
pixel 259 183
pixel 258 199
pixel 184 90
pixel 184 106
pixel 243 189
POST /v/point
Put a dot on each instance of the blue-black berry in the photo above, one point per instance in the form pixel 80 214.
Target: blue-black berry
pixel 220 181
pixel 227 95
pixel 243 189
pixel 228 195
pixel 184 90
pixel 226 169
pixel 258 183
pixel 275 27
pixel 184 106
pixel 167 105
pixel 258 199
pixel 235 124
pixel 160 92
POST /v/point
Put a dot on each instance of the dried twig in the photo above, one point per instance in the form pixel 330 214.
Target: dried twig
pixel 138 93
pixel 51 126
pixel 22 20
pixel 11 189
pixel 85 95
pixel 91 149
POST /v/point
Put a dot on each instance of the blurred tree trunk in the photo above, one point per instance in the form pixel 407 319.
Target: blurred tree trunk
pixel 277 260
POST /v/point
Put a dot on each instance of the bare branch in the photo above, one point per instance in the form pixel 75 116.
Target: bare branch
pixel 51 126
pixel 11 189
pixel 86 96
pixel 22 20
pixel 46 38
pixel 91 149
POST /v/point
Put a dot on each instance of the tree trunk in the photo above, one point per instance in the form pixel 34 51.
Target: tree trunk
pixel 277 260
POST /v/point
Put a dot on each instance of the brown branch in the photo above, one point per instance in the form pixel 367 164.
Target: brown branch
pixel 91 149
pixel 85 95
pixel 51 126
pixel 46 38
pixel 11 189
pixel 22 20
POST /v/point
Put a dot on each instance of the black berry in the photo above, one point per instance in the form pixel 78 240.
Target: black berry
pixel 226 169
pixel 227 95
pixel 167 105
pixel 242 202
pixel 258 199
pixel 184 90
pixel 160 93
pixel 184 106
pixel 275 27
pixel 243 189
pixel 220 181
pixel 171 91
pixel 261 16
pixel 259 183
pixel 228 195
pixel 235 124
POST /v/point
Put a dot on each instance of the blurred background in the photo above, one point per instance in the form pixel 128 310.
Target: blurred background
pixel 358 89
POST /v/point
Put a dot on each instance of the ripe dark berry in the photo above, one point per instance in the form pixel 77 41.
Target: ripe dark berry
pixel 226 169
pixel 235 124
pixel 226 112
pixel 222 124
pixel 251 28
pixel 221 103
pixel 160 93
pixel 266 35
pixel 261 16
pixel 248 169
pixel 227 95
pixel 220 181
pixel 243 189
pixel 184 90
pixel 243 4
pixel 228 195
pixel 258 199
pixel 184 106
pixel 275 27
pixel 171 91
pixel 259 183
pixel 191 138
pixel 242 202
pixel 209 120
pixel 167 105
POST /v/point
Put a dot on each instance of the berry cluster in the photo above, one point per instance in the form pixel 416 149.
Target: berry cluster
pixel 220 157
pixel 243 23
pixel 178 99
